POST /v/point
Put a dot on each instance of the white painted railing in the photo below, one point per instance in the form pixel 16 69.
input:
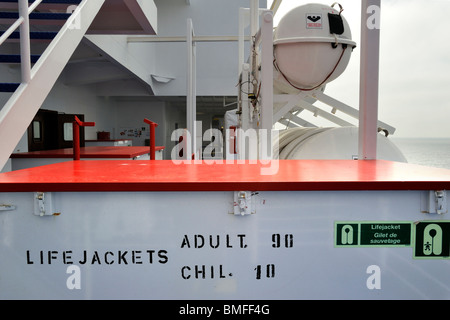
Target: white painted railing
pixel 18 112
pixel 23 22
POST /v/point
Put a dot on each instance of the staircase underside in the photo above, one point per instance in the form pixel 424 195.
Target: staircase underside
pixel 115 17
pixel 126 17
pixel 94 17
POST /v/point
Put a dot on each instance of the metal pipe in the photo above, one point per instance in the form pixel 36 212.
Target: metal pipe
pixel 153 126
pixel 230 38
pixel 267 70
pixel 25 41
pixel 369 69
pixel 191 105
pixel 10 30
pixel 76 140
pixel 254 17
pixel 34 6
pixel 242 25
pixel 77 123
pixel 24 11
pixel 275 5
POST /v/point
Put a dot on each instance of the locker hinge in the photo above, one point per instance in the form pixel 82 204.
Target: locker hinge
pixel 7 207
pixel 44 204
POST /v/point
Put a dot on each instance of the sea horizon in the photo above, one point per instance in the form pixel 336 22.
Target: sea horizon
pixel 433 152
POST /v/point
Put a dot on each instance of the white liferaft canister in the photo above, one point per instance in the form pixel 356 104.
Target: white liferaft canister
pixel 312 46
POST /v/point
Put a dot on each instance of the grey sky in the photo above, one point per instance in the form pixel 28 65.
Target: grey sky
pixel 414 93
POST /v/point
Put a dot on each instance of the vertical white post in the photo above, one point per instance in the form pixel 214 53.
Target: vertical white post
pixel 368 103
pixel 244 122
pixel 243 22
pixel 191 107
pixel 267 70
pixel 254 17
pixel 25 42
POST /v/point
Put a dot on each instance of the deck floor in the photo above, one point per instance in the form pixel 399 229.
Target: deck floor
pixel 165 175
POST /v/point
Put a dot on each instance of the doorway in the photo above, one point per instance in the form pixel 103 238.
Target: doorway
pixel 51 130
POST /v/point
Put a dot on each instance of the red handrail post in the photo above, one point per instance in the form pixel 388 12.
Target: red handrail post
pixel 77 123
pixel 153 125
pixel 76 141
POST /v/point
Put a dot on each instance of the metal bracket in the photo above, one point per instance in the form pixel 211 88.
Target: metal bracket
pixel 44 204
pixel 244 203
pixel 7 207
pixel 437 201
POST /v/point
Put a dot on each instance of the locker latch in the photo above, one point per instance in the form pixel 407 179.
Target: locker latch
pixel 438 202
pixel 44 204
pixel 244 203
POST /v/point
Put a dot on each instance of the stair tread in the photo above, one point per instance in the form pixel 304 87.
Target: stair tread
pixel 45 35
pixel 9 86
pixel 15 58
pixel 45 4
pixel 36 15
pixel 48 1
pixel 42 35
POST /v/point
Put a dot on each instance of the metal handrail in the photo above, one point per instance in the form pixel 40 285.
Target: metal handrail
pixel 33 6
pixel 11 29
pixel 24 23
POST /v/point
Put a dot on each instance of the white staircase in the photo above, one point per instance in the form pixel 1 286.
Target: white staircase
pixel 38 80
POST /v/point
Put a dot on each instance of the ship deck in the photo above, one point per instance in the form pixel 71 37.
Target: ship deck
pixel 88 152
pixel 165 175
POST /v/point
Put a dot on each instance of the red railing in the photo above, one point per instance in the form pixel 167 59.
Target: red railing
pixel 76 136
pixel 153 125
